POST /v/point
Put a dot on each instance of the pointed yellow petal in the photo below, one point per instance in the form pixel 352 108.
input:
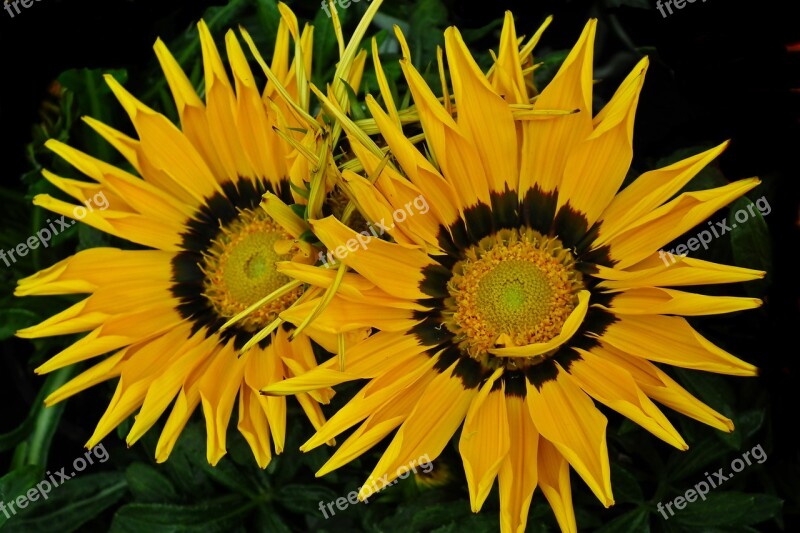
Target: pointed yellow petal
pixel 566 417
pixel 650 190
pixel 484 115
pixel 485 440
pixel 507 77
pixel 164 387
pixel 656 301
pixel 167 148
pixel 673 341
pixel 254 426
pixel 379 424
pixel 394 385
pixel 548 142
pixel 218 389
pixel 427 430
pixel 397 270
pixel 615 388
pixel 555 485
pixel 451 145
pixel 106 369
pixel 439 193
pixel 596 167
pixel 686 271
pixel 657 385
pixel 96 267
pixel 518 474
pixel 366 359
pixel 221 111
pixel 652 231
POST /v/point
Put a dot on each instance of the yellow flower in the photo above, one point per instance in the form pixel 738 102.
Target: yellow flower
pixel 194 317
pixel 530 287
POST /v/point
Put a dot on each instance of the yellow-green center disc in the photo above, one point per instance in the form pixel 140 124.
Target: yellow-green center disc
pixel 240 270
pixel 513 288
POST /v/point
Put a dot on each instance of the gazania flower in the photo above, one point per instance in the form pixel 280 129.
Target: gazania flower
pixel 194 318
pixel 532 286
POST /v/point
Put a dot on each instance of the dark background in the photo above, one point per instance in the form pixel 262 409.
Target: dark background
pixel 719 70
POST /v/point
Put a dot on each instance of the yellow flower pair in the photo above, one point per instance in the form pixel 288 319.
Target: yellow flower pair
pixel 527 287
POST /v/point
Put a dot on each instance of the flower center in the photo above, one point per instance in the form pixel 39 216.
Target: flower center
pixel 240 269
pixel 513 288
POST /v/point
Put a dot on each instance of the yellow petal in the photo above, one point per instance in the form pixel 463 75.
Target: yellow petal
pixel 396 384
pixel 656 301
pixel 484 115
pixel 452 148
pixel 396 270
pixel 652 231
pixel 518 474
pixel 686 271
pixel 366 359
pixel 507 77
pixel 106 369
pixel 596 167
pixel 218 389
pixel 427 430
pixel 555 485
pixel 254 426
pixel 221 111
pixel 548 142
pixel 440 194
pixel 564 415
pixel 187 357
pixel 673 341
pixel 659 386
pixel 96 267
pixel 615 388
pixel 650 190
pixel 485 440
pixel 167 148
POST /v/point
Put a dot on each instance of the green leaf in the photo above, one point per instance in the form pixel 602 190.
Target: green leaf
pixel 305 499
pixel 186 465
pixel 747 424
pixel 71 506
pixel 221 516
pixel 12 320
pixel 16 483
pixel 694 460
pixel 438 514
pixel 637 520
pixel 269 521
pixel 149 485
pixel 326 49
pixel 626 486
pixel 750 240
pixel 729 509
pixel 426 23
pixel 94 98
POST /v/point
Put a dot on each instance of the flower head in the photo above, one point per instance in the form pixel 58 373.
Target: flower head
pixel 531 287
pixel 195 316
